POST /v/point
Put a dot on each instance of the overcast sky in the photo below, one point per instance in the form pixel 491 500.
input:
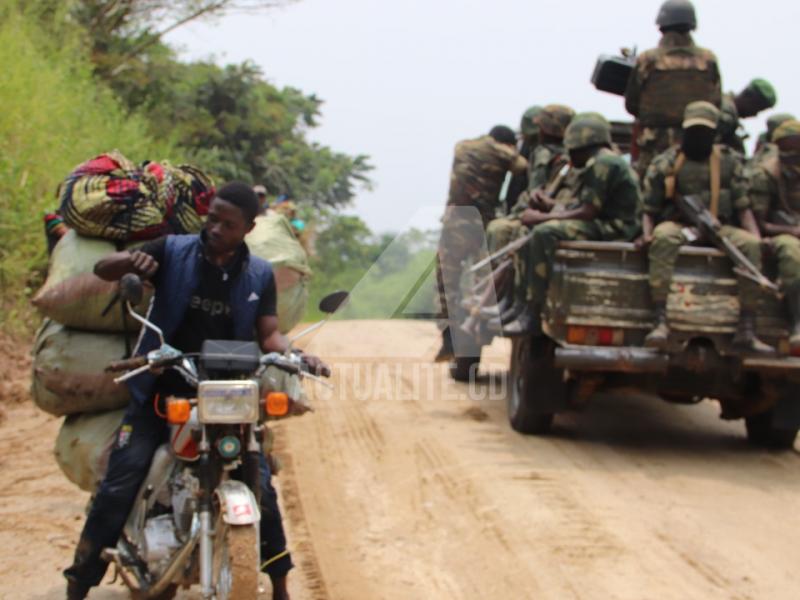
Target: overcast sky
pixel 404 80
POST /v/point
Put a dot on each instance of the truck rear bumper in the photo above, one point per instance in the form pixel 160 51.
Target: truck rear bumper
pixel 599 358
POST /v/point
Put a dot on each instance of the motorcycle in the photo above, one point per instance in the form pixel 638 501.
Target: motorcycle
pixel 196 515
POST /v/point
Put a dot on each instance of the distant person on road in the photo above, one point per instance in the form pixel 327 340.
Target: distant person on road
pixel 479 168
pixel 774 190
pixel 666 79
pixel 263 201
pixel 605 199
pixel 715 173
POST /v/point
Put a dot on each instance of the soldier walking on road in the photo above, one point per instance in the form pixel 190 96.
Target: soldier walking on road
pixel 479 168
pixel 715 173
pixel 774 189
pixel 606 195
pixel 666 79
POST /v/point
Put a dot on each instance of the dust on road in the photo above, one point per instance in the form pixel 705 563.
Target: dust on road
pixel 404 484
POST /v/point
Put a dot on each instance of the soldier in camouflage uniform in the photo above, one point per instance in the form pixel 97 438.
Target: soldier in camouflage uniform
pixel 715 173
pixel 759 95
pixel 547 160
pixel 529 138
pixel 765 138
pixel 665 79
pixel 774 189
pixel 605 198
pixel 479 169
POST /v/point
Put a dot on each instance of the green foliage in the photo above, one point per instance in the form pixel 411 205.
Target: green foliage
pixel 54 117
pixel 389 276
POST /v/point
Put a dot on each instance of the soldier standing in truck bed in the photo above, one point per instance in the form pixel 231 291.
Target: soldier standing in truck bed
pixel 528 140
pixel 666 79
pixel 774 190
pixel 479 169
pixel 715 173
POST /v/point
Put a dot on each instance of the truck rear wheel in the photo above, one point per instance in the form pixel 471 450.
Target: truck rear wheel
pixel 536 385
pixel 762 432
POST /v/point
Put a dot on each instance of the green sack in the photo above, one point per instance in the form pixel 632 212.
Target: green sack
pixel 74 295
pixel 68 371
pixel 83 446
pixel 272 239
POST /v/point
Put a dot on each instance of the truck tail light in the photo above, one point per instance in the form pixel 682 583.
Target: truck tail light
pixel 595 336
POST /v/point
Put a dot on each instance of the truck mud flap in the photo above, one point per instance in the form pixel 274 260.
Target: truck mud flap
pixel 623 360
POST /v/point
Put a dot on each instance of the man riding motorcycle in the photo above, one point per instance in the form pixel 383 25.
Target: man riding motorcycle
pixel 207 286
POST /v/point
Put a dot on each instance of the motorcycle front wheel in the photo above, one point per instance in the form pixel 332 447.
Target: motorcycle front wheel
pixel 236 564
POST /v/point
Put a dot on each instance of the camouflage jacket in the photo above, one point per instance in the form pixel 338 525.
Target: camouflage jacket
pixel 670 76
pixel 695 178
pixel 479 169
pixel 774 189
pixel 608 183
pixel 544 164
pixel 728 128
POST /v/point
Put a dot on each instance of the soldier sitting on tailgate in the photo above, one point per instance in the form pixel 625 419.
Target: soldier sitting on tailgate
pixel 479 169
pixel 759 95
pixel 715 173
pixel 665 79
pixel 545 165
pixel 605 197
pixel 774 190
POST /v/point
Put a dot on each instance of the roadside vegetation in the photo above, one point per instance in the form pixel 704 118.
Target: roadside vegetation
pixel 88 76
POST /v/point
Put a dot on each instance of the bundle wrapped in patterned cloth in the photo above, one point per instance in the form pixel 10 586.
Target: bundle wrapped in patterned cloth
pixel 112 197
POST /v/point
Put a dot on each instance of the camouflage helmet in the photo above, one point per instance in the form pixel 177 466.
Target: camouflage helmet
pixel 776 121
pixel 554 119
pixel 527 126
pixel 786 129
pixel 676 12
pixel 702 113
pixel 587 129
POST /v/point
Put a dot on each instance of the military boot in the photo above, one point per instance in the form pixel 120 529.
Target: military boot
pixel 445 352
pixel 658 336
pixel 793 301
pixel 76 591
pixel 746 340
pixel 529 322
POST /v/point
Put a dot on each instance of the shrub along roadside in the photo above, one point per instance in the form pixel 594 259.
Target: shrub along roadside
pixel 55 115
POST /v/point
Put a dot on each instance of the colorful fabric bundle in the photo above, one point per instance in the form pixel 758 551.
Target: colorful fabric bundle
pixel 111 197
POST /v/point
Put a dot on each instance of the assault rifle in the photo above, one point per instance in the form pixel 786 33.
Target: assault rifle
pixel 699 216
pixel 504 252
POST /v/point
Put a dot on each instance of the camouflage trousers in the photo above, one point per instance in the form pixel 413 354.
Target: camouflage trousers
pixel 542 248
pixel 502 231
pixel 462 236
pixel 786 249
pixel 668 238
pixel 651 142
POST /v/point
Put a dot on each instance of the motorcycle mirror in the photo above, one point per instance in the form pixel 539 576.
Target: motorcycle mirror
pixel 131 289
pixel 332 302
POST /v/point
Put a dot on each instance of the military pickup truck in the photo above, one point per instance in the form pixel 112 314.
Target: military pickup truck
pixel 597 315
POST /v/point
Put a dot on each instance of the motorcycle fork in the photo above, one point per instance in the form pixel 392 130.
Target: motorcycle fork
pixel 252 463
pixel 204 508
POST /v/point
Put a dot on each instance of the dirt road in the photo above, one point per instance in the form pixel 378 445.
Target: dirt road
pixel 404 484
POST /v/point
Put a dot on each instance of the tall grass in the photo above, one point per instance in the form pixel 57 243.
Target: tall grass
pixel 53 116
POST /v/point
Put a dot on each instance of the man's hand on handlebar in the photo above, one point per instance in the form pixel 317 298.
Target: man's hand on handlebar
pixel 315 365
pixel 144 265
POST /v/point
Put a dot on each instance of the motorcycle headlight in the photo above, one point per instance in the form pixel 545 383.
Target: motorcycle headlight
pixel 227 402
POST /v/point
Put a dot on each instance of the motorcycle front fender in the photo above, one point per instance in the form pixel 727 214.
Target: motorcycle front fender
pixel 237 504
